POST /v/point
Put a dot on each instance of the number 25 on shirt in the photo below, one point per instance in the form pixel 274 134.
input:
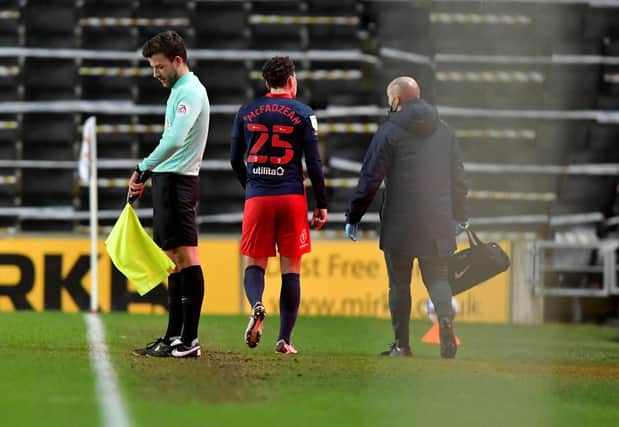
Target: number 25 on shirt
pixel 275 140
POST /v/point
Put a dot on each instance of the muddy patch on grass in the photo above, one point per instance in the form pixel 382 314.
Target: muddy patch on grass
pixel 577 371
pixel 557 369
pixel 216 377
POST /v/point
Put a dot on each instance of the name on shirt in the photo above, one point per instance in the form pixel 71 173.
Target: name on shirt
pixel 273 108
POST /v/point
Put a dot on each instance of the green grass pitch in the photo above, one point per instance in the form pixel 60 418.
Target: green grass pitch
pixel 504 375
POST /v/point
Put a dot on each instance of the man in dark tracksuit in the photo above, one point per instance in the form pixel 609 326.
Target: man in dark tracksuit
pixel 424 205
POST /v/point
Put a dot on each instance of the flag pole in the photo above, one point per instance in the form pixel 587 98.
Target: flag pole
pixel 94 221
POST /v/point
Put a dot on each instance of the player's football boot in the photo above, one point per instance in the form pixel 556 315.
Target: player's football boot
pixel 253 333
pixel 183 350
pixel 284 348
pixel 447 335
pixel 395 350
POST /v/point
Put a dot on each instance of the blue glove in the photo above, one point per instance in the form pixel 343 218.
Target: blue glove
pixel 351 231
pixel 461 227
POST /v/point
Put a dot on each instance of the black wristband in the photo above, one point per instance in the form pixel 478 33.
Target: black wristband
pixel 143 175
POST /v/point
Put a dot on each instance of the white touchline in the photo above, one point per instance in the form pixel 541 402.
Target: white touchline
pixel 111 405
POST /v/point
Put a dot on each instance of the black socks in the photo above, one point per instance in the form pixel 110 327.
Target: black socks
pixel 175 308
pixel 192 296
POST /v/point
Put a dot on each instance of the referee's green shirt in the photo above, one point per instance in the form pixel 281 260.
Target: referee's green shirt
pixel 182 144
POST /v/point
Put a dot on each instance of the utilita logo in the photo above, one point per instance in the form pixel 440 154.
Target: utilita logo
pixel 265 170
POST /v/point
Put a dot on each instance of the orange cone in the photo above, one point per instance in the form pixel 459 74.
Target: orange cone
pixel 432 336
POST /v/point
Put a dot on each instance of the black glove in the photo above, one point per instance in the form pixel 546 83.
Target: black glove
pixel 143 177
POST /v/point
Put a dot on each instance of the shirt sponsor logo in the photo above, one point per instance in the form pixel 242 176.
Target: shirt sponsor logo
pixel 265 170
pixel 182 109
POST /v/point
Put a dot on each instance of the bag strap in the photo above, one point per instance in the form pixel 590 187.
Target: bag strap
pixel 473 239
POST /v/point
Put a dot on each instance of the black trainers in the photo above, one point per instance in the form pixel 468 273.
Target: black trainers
pixel 161 347
pixel 396 351
pixel 183 350
pixel 254 326
pixel 449 348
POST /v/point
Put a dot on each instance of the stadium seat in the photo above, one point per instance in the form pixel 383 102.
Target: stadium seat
pixel 49 79
pixel 572 87
pixel 560 22
pixel 341 33
pixel 110 79
pixel 11 21
pixel 389 17
pixel 9 134
pixel 220 194
pixel 511 182
pixel 48 137
pixel 9 189
pixel 332 37
pixel 270 30
pixel 162 9
pixel 115 143
pixel 586 193
pixel 506 208
pixel 10 79
pixel 602 140
pixel 226 81
pixel 57 191
pixel 598 22
pixel 103 37
pixel 332 7
pixel 112 190
pixel 109 38
pixel 50 23
pixel 349 146
pixel 219 187
pixel 8 198
pixel 221 24
pixel 488 86
pixel 218 144
pixel 277 37
pixel 338 83
pixel 565 136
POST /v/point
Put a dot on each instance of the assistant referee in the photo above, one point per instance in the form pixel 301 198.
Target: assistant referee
pixel 175 165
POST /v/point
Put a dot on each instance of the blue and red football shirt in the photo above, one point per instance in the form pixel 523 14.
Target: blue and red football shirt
pixel 272 133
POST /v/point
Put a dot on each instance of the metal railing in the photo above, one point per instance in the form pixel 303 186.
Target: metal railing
pixel 606 250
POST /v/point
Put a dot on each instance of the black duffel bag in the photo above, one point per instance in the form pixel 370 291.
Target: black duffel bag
pixel 472 266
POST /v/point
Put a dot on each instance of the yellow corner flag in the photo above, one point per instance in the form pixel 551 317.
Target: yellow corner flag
pixel 135 254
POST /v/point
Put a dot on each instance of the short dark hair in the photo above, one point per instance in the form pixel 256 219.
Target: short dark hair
pixel 170 43
pixel 276 71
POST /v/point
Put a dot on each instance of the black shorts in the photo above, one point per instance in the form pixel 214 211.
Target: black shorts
pixel 175 204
